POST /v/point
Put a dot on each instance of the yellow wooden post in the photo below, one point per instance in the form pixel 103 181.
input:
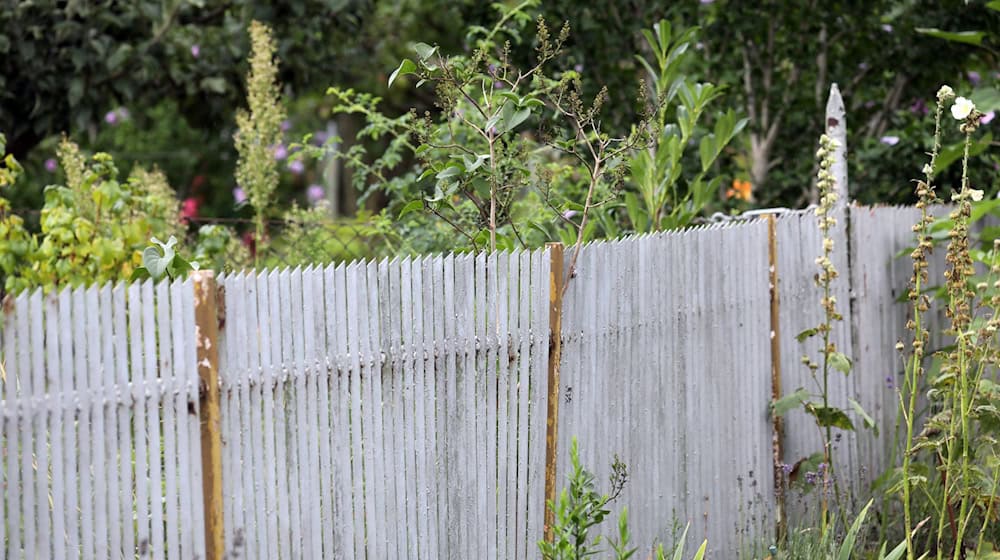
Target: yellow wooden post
pixel 555 354
pixel 206 315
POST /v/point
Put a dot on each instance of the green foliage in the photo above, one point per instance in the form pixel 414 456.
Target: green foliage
pixel 579 510
pixel 670 198
pixel 93 229
pixel 160 261
pixel 259 128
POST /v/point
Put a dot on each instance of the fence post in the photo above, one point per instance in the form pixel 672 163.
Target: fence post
pixel 555 355
pixel 778 433
pixel 206 316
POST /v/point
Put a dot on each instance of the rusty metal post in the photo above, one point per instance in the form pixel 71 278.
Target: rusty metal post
pixel 777 435
pixel 556 251
pixel 206 316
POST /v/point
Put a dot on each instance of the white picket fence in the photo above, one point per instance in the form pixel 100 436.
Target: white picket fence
pixel 397 409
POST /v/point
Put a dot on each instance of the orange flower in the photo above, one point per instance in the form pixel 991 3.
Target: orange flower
pixel 741 190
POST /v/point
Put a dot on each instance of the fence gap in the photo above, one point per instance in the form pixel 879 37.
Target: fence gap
pixel 555 355
pixel 206 314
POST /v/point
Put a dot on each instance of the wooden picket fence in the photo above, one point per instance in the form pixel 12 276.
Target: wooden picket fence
pixel 423 408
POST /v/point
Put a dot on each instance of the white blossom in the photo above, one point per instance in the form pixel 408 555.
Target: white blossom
pixel 962 108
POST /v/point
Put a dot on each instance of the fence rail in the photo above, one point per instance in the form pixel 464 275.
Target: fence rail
pixel 398 409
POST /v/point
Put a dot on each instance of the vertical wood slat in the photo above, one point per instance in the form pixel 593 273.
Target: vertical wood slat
pixel 555 354
pixel 346 506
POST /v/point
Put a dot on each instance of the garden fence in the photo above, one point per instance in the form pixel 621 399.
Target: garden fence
pixel 400 409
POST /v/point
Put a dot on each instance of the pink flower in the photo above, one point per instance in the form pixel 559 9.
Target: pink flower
pixel 296 167
pixel 189 208
pixel 890 140
pixel 315 193
pixel 111 117
pixel 280 152
pixel 286 125
pixel 51 165
pixel 987 117
pixel 195 51
pixel 239 195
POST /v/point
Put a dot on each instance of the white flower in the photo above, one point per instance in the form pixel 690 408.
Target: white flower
pixel 928 170
pixel 945 93
pixel 962 108
pixel 976 195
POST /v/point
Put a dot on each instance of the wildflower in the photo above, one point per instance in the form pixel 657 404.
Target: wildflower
pixel 786 468
pixel 195 51
pixel 239 195
pixel 919 107
pixel 189 209
pixel 741 190
pixel 976 194
pixel 51 165
pixel 111 117
pixel 890 140
pixel 974 77
pixel 928 170
pixel 297 167
pixel 569 214
pixel 280 152
pixel 962 108
pixel 315 193
pixel 887 28
pixel 286 125
pixel 985 119
pixel 578 67
pixel 945 94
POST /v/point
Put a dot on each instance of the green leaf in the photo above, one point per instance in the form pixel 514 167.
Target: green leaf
pixel 994 5
pixel 808 333
pixel 449 172
pixel 869 422
pixel 424 51
pixel 412 206
pixel 155 263
pixel 214 84
pixel 405 67
pixel 829 416
pixel 847 547
pixel 517 118
pixel 781 406
pixel 706 151
pixel 840 362
pixel 896 553
pixel 967 37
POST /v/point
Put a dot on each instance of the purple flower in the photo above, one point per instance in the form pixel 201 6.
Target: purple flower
pixel 569 214
pixel 974 77
pixel 890 140
pixel 239 195
pixel 123 113
pixel 321 136
pixel 51 165
pixel 578 67
pixel 811 478
pixel 296 167
pixel 890 382
pixel 919 107
pixel 280 152
pixel 988 117
pixel 869 104
pixel 887 28
pixel 786 468
pixel 863 66
pixel 195 51
pixel 111 117
pixel 315 193
pixel 286 125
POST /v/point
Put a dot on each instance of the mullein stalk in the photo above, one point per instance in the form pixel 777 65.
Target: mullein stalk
pixel 826 184
pixel 925 197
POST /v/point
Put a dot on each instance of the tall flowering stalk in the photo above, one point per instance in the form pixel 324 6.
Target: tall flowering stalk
pixel 921 303
pixel 826 184
pixel 259 129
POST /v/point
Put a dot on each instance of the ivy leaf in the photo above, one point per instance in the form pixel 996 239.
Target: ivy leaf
pixel 781 406
pixel 155 263
pixel 869 422
pixel 840 362
pixel 406 67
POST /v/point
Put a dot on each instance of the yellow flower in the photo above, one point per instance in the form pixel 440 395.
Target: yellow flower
pixel 741 190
